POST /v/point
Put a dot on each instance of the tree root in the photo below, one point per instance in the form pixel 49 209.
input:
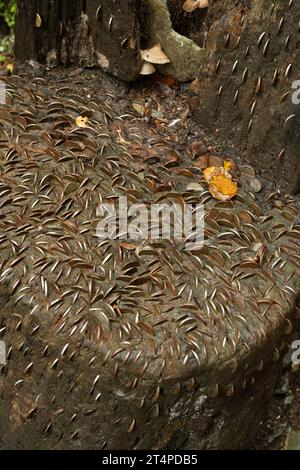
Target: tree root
pixel 186 57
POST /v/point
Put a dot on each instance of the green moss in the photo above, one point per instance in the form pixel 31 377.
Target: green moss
pixel 186 57
pixel 8 12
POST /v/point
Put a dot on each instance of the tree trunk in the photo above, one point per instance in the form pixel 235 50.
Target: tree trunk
pixel 246 85
pixel 78 32
pixel 110 34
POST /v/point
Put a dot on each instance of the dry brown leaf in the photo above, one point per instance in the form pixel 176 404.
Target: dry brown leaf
pixel 214 160
pixel 139 108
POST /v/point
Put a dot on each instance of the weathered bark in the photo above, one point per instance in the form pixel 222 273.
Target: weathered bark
pixel 77 32
pixel 116 36
pixel 108 34
pixel 246 84
pixel 59 21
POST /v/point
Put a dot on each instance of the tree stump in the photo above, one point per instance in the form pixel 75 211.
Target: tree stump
pixel 144 346
pixel 82 33
pixel 109 34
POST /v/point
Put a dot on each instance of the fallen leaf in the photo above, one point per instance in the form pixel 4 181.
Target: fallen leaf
pixel 166 79
pixel 260 254
pixel 139 108
pixel 182 172
pixel 214 160
pixel 194 187
pixel 199 148
pixel 81 121
pixel 220 183
pixel 159 123
pixel 10 68
pixel 195 87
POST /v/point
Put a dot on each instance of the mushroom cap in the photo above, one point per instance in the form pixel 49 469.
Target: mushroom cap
pixel 191 5
pixel 155 55
pixel 203 3
pixel 147 68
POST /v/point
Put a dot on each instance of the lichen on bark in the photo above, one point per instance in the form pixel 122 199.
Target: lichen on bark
pixel 185 55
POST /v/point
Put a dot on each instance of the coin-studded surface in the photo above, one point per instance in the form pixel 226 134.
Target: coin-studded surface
pixel 83 33
pixel 247 84
pixel 127 345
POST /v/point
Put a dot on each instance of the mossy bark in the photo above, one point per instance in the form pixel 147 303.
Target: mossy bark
pixel 184 54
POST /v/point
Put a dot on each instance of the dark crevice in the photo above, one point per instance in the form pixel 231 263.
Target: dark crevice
pixel 192 25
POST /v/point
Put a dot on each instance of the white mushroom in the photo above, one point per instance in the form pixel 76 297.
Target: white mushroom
pixel 191 5
pixel 147 68
pixel 203 3
pixel 155 55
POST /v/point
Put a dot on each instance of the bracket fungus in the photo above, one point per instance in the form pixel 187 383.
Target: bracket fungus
pixel 155 55
pixel 191 5
pixel 147 68
pixel 38 20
